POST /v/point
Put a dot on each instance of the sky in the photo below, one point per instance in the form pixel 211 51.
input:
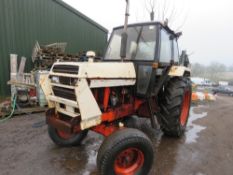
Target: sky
pixel 207 25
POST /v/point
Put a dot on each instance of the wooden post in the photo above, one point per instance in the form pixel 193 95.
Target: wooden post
pixel 14 65
pixel 21 70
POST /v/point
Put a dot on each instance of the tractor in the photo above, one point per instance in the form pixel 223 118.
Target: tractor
pixel 139 75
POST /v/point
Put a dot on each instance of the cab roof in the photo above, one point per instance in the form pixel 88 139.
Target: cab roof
pixel 152 23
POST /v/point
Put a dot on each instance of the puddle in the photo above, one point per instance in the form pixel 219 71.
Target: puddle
pixel 91 162
pixel 92 146
pixel 194 129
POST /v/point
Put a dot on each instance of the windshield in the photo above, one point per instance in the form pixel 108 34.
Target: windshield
pixel 140 44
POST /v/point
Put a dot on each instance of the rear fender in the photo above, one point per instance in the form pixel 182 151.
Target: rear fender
pixel 179 71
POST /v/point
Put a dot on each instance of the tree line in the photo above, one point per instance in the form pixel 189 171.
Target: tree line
pixel 214 71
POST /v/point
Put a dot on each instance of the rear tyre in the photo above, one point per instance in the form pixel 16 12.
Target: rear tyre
pixel 142 124
pixel 175 100
pixel 126 151
pixel 132 122
pixel 65 139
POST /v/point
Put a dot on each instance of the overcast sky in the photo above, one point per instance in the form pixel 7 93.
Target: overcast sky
pixel 207 25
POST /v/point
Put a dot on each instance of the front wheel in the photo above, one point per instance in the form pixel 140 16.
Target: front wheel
pixel 175 101
pixel 65 139
pixel 127 151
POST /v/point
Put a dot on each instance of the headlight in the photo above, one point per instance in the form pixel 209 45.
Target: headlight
pixel 55 79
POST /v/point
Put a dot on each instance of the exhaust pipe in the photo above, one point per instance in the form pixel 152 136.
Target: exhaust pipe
pixel 124 35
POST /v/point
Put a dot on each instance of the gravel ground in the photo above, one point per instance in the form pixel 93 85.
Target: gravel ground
pixel 206 148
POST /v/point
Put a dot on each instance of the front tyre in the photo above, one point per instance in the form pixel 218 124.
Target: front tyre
pixel 65 139
pixel 126 151
pixel 174 101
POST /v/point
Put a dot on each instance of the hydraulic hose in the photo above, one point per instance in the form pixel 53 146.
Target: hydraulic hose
pixel 13 105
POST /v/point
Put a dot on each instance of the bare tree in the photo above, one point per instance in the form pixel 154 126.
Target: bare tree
pixel 150 7
pixel 167 12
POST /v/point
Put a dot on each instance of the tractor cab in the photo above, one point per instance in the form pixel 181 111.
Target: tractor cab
pixel 149 45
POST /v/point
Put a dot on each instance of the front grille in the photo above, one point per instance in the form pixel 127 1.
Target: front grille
pixel 69 69
pixel 64 93
pixel 67 81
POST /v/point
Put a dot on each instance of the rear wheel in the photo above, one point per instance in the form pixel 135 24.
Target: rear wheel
pixel 62 138
pixel 125 152
pixel 175 100
pixel 132 122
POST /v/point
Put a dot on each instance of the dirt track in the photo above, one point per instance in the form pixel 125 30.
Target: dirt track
pixel 207 148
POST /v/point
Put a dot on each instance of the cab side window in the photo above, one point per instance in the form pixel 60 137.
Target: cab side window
pixel 165 47
pixel 175 51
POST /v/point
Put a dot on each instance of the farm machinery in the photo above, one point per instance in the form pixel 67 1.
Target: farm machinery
pixel 140 74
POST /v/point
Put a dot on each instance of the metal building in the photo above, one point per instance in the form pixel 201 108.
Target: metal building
pixel 22 22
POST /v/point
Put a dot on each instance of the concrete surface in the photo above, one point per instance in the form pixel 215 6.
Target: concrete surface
pixel 206 149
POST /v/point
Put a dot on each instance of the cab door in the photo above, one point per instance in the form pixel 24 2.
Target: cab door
pixel 145 57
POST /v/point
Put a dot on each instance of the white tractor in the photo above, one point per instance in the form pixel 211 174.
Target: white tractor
pixel 140 74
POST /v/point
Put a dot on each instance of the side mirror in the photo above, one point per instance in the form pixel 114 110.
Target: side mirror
pixel 178 34
pixel 184 59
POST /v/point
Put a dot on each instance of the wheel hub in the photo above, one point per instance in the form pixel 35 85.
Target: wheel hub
pixel 129 161
pixel 64 135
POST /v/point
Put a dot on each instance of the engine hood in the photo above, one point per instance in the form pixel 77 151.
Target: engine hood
pixel 96 70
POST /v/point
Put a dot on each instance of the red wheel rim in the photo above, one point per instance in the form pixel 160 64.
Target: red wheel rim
pixel 64 135
pixel 185 108
pixel 128 162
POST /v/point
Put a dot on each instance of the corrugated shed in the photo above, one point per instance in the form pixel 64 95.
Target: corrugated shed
pixel 22 22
